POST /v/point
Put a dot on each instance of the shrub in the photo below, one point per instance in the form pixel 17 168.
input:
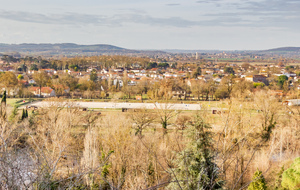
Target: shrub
pixel 258 182
pixel 258 84
pixel 291 176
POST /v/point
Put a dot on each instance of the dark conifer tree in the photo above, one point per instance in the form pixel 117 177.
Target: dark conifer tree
pixel 3 105
pixel 195 166
pixel 3 101
pixel 23 115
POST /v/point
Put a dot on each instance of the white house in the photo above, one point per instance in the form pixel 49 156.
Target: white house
pixel 45 91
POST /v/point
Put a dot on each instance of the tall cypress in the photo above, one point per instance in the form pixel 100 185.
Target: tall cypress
pixel 3 105
pixel 3 101
pixel 23 115
pixel 26 113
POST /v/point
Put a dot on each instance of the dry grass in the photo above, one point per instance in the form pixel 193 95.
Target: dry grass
pixel 75 148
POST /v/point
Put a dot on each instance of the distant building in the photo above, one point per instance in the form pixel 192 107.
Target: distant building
pixel 257 78
pixel 138 97
pixel 293 102
pixel 49 71
pixel 45 91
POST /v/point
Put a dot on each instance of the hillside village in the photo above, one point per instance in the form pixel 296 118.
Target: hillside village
pixel 184 76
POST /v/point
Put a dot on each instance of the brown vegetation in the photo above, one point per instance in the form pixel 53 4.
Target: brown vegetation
pixel 61 147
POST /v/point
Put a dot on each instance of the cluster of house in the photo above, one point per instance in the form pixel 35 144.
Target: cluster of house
pixel 208 73
pixel 134 76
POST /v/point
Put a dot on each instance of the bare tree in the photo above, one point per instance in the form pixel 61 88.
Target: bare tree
pixel 142 119
pixel 182 122
pixel 165 112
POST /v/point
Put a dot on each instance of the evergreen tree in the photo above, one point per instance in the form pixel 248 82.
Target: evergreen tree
pixel 197 72
pixel 281 80
pixel 26 114
pixel 93 75
pixel 3 101
pixel 23 115
pixel 258 181
pixel 3 105
pixel 291 176
pixel 14 113
pixel 229 70
pixel 195 165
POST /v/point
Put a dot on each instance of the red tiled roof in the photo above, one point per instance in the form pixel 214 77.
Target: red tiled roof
pixel 47 90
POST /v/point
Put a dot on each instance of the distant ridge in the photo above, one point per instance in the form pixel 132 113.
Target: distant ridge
pixel 284 49
pixel 280 50
pixel 69 45
pixel 72 49
pixel 61 46
pixel 68 49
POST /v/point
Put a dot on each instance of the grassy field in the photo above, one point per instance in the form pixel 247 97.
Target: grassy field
pixel 20 102
pixel 15 102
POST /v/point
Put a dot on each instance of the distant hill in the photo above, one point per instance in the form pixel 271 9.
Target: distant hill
pixel 291 49
pixel 68 49
pixel 71 49
pixel 284 49
pixel 281 50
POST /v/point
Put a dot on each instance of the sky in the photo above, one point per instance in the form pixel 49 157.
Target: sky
pixel 154 24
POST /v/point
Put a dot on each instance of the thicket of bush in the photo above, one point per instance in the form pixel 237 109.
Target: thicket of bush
pixel 61 147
